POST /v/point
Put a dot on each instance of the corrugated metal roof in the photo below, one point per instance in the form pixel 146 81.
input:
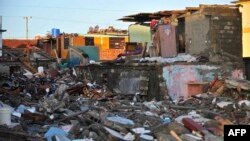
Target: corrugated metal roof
pixel 239 1
pixel 146 17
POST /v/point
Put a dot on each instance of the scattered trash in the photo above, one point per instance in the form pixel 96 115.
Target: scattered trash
pixel 56 133
pixel 140 130
pixel 5 116
pixel 121 120
pixel 115 133
pixel 223 104
pixel 65 108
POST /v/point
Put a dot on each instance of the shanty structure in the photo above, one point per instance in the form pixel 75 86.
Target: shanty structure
pixel 210 30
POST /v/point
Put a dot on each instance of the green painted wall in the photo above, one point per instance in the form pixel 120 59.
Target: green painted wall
pixel 139 33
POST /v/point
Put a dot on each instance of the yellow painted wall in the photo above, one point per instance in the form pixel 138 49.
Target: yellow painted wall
pixel 126 39
pixel 245 10
pixel 246 44
pixel 102 42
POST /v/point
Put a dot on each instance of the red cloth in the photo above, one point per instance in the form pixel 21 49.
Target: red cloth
pixel 153 23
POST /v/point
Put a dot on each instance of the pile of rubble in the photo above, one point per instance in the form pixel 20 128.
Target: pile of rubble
pixel 59 106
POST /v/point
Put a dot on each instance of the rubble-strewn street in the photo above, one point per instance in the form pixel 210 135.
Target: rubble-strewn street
pixel 64 107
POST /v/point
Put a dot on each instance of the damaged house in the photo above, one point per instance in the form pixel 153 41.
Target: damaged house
pixel 208 45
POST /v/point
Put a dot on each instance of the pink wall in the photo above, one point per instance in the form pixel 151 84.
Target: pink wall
pixel 178 76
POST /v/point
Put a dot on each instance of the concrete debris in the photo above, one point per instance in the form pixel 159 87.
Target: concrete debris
pixel 62 107
pixel 140 130
pixel 223 104
pixel 239 84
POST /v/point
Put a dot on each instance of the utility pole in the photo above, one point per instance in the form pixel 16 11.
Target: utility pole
pixel 1 41
pixel 27 26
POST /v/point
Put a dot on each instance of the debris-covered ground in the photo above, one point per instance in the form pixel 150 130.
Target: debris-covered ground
pixel 57 106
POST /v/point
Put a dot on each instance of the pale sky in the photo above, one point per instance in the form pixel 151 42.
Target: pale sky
pixel 76 16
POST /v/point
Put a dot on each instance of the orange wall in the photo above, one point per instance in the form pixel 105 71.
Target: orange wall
pixel 78 41
pixel 106 53
pixel 110 54
pixel 100 41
